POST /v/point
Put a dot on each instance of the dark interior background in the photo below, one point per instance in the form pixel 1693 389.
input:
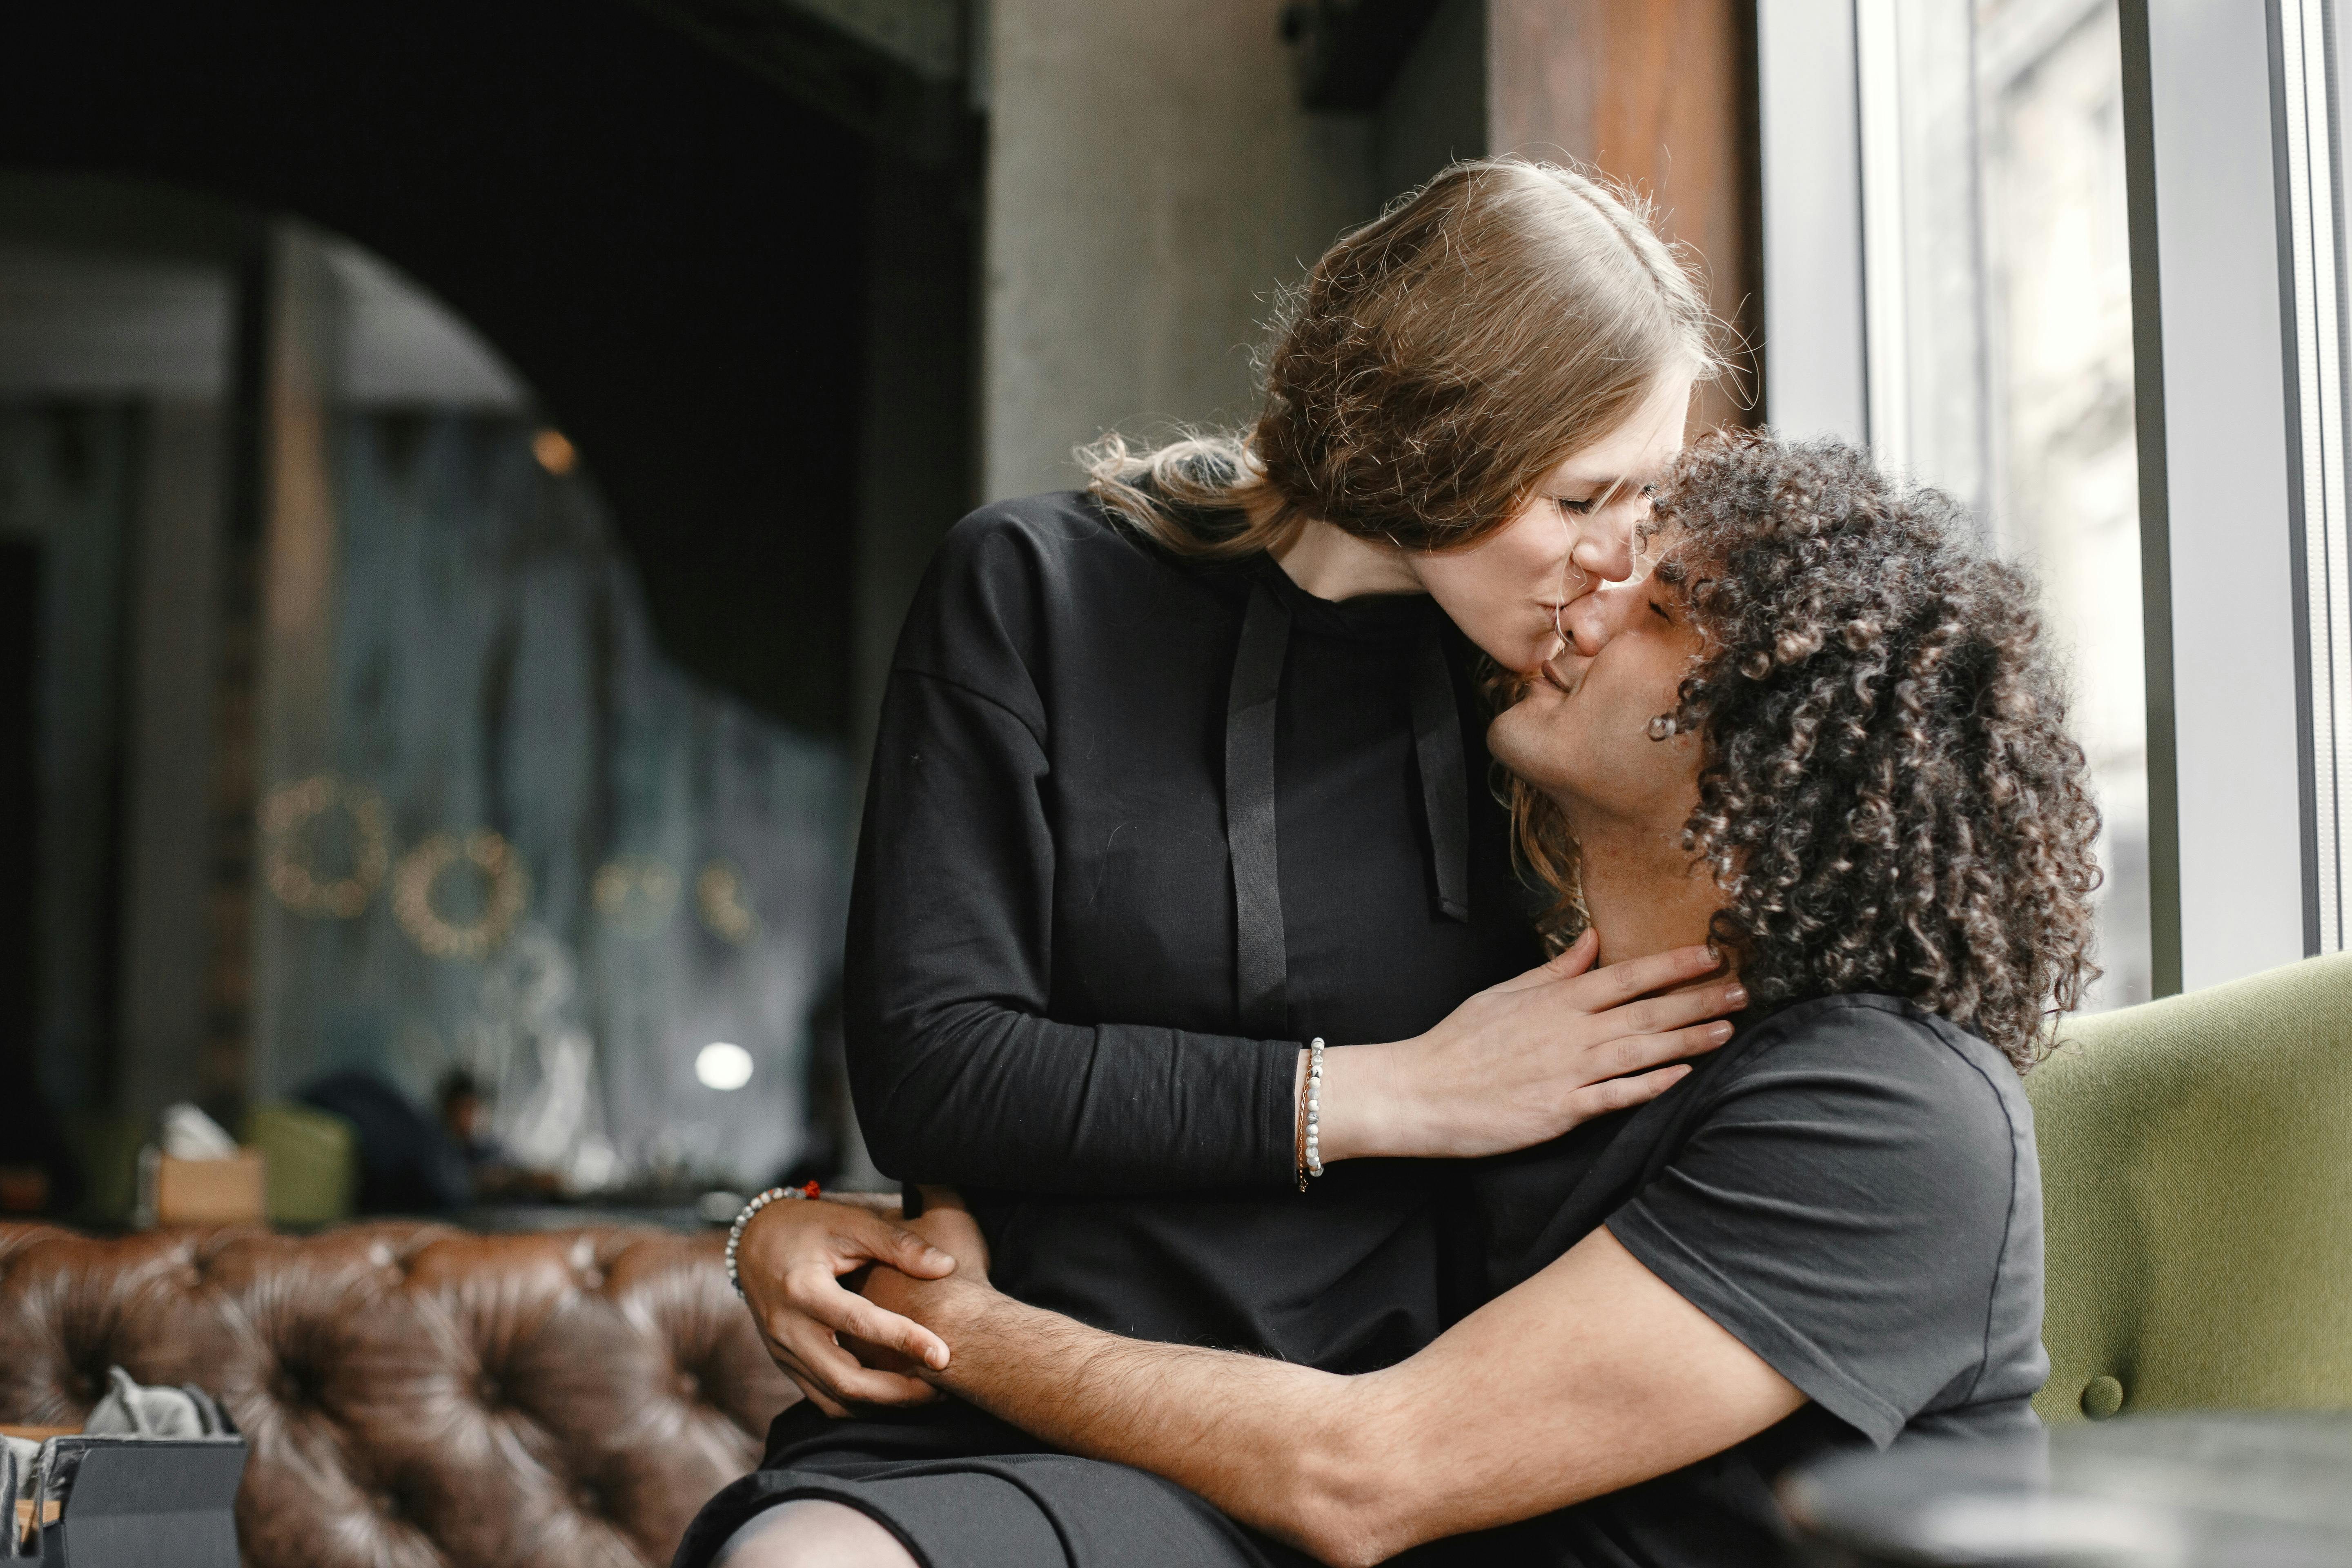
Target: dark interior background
pixel 729 248
pixel 20 592
pixel 670 248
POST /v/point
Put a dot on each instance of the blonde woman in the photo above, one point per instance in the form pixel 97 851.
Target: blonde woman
pixel 1186 938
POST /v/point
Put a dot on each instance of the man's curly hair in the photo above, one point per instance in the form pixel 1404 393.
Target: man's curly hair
pixel 1888 797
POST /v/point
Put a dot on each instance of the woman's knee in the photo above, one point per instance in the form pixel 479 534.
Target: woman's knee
pixel 811 1532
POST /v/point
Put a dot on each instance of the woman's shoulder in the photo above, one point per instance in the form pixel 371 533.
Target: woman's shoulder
pixel 1015 577
pixel 1049 519
pixel 1056 555
pixel 1058 532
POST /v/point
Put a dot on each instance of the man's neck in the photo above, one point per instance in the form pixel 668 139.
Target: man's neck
pixel 1641 889
pixel 1333 564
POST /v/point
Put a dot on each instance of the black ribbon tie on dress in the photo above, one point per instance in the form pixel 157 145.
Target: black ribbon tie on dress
pixel 1262 956
pixel 1262 959
pixel 1445 785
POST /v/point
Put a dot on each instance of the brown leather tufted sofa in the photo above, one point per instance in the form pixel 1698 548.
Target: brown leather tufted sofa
pixel 416 1395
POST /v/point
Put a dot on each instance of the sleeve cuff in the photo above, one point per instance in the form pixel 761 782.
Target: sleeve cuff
pixel 1279 1087
pixel 1748 1319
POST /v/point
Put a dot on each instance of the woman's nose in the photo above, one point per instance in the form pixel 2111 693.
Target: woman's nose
pixel 1604 546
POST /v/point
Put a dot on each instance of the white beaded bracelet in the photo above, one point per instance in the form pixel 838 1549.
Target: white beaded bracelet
pixel 1314 1107
pixel 735 1231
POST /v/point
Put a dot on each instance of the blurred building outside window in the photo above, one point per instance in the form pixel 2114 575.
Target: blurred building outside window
pixel 1999 319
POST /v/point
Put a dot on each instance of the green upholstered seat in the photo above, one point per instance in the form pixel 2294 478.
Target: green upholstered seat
pixel 2197 1189
pixel 312 1162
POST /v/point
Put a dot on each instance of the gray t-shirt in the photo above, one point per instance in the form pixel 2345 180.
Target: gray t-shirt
pixel 1850 1188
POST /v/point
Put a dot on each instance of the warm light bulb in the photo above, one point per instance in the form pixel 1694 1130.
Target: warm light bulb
pixel 555 454
pixel 721 1065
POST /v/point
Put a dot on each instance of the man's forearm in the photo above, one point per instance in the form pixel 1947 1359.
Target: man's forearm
pixel 1591 1376
pixel 1281 1448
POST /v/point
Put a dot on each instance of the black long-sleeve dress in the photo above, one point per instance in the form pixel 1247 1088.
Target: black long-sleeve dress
pixel 1060 998
pixel 1047 950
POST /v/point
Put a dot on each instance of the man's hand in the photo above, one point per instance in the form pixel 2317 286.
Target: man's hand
pixel 949 1226
pixel 934 1301
pixel 791 1261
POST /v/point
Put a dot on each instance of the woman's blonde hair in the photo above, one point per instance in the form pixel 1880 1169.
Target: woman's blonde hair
pixel 1435 365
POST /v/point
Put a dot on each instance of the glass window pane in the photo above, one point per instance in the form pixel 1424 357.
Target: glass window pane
pixel 2001 351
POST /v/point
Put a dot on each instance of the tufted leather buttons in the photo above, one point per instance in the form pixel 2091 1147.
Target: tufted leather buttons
pixel 352 1382
pixel 2102 1397
pixel 295 1383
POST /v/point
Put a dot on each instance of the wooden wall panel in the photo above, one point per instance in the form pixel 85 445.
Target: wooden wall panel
pixel 1662 95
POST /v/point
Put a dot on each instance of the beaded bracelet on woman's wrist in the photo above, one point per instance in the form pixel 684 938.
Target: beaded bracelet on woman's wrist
pixel 1309 1145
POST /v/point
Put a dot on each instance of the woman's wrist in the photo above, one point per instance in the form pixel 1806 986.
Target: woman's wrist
pixel 1358 1111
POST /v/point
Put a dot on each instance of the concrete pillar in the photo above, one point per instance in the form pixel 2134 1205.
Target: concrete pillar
pixel 1151 182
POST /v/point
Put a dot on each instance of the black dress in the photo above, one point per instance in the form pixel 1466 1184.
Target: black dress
pixel 1059 998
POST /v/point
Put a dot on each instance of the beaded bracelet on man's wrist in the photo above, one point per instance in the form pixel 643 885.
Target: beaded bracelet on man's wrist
pixel 735 1231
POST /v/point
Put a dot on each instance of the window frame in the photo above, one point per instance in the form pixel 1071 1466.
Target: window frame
pixel 2237 247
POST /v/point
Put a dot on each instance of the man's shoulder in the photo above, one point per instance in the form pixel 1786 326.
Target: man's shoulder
pixel 1860 1201
pixel 1896 1063
pixel 1879 1036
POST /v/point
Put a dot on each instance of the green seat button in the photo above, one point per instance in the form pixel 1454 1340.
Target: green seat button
pixel 2102 1397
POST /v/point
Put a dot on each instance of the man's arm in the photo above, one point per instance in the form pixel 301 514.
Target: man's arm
pixel 1589 1377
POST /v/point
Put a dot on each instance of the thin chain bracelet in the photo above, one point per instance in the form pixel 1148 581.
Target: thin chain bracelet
pixel 735 1231
pixel 1314 1107
pixel 1309 1147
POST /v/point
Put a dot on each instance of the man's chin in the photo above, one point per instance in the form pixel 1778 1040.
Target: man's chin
pixel 1515 738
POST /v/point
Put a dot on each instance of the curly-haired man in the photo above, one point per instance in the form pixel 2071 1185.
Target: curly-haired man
pixel 1825 732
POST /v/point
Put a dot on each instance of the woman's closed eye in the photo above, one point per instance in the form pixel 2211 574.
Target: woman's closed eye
pixel 1585 505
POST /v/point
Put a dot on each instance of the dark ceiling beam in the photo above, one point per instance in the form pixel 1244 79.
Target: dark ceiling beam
pixel 671 251
pixel 1346 53
pixel 892 70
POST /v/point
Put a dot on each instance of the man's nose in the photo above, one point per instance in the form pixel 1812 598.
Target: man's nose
pixel 1587 623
